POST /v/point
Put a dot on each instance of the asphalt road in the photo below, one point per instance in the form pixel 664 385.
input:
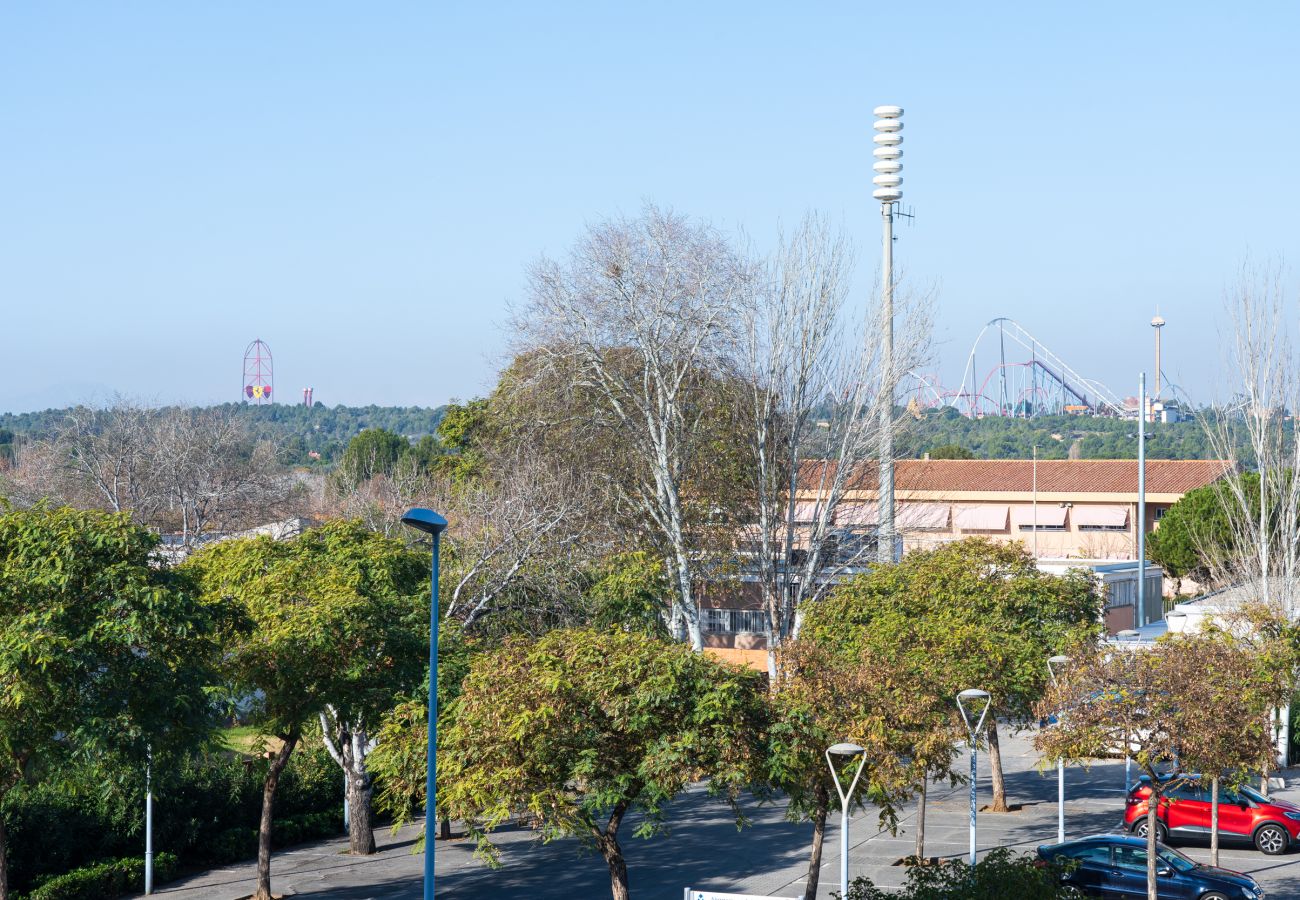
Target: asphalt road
pixel 703 848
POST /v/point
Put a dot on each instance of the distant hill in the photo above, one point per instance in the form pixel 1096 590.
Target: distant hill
pixel 297 430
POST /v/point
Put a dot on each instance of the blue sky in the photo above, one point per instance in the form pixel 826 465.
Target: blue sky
pixel 363 185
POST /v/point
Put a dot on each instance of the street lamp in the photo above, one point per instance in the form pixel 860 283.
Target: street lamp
pixel 846 750
pixel 431 523
pixel 1052 663
pixel 1129 635
pixel 973 696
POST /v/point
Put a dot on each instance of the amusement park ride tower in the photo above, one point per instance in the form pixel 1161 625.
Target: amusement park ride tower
pixel 259 373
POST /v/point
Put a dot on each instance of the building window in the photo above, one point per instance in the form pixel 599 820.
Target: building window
pixel 1103 528
pixel 1029 528
pixel 1160 512
pixel 733 621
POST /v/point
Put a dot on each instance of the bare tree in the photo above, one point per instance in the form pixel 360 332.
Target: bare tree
pixel 817 397
pixel 643 312
pixel 213 475
pixel 1265 374
pixel 1264 543
pixel 518 540
pixel 106 458
pixel 380 500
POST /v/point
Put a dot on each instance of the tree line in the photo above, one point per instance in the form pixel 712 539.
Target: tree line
pixel 313 436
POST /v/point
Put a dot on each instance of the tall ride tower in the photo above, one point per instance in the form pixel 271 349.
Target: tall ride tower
pixel 259 373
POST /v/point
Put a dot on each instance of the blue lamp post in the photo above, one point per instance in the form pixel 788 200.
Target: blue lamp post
pixel 430 522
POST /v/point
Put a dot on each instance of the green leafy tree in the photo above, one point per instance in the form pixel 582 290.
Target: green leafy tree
pixel 1107 697
pixel 581 728
pixel 951 451
pixel 1197 538
pixel 101 651
pixel 372 452
pixel 971 613
pixel 823 698
pixel 1229 690
pixel 402 748
pixel 331 623
pixel 630 591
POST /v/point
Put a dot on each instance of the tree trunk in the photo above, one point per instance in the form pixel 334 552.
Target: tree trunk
pixel 1214 821
pixel 920 823
pixel 995 769
pixel 361 832
pixel 4 862
pixel 281 759
pixel 819 834
pixel 1153 804
pixel 607 840
pixel 444 830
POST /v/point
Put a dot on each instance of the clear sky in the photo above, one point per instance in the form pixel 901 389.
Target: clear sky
pixel 363 185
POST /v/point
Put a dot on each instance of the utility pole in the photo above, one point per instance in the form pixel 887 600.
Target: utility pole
pixel 889 122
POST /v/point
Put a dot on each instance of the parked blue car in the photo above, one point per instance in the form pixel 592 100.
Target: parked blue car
pixel 1114 866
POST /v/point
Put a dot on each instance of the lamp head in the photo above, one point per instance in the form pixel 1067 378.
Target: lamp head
pixel 845 749
pixel 425 520
pixel 1059 660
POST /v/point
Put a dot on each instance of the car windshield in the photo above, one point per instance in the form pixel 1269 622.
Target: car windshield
pixel 1176 860
pixel 1253 794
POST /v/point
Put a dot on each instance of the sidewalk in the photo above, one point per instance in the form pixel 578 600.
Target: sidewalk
pixel 323 869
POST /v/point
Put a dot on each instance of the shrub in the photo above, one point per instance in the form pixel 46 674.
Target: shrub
pixel 998 875
pixel 104 881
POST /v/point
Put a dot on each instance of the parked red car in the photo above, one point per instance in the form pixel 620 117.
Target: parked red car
pixel 1244 814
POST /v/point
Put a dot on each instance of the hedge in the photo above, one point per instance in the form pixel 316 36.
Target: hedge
pixel 105 880
pixel 205 808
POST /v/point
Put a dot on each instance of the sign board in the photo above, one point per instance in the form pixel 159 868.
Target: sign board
pixel 692 894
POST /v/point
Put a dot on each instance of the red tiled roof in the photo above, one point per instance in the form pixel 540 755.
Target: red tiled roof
pixel 1063 476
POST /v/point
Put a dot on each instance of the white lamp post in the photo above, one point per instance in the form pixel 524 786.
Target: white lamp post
pixel 1052 663
pixel 847 750
pixel 888 165
pixel 975 698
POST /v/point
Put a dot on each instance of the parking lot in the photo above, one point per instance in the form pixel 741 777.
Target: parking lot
pixel 703 848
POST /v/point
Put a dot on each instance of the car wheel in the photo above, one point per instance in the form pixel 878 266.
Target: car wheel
pixel 1162 833
pixel 1272 839
pixel 1213 895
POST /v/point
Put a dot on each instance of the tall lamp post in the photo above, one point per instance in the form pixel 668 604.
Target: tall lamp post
pixel 431 523
pixel 845 750
pixel 975 697
pixel 888 165
pixel 1052 664
pixel 1129 635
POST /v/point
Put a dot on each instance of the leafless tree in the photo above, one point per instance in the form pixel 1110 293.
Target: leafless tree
pixel 380 499
pixel 518 539
pixel 1264 372
pixel 816 394
pixel 642 311
pixel 191 470
pixel 107 457
pixel 213 475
